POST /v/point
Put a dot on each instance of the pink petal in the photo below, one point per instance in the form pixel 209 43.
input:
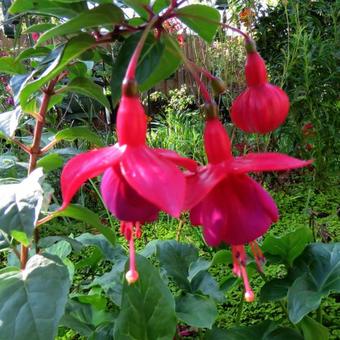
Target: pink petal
pixel 237 211
pixel 84 166
pixel 175 158
pixel 124 202
pixel 202 182
pixel 269 161
pixel 154 178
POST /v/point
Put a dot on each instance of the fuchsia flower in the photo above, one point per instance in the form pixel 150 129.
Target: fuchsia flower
pixel 262 107
pixel 231 206
pixel 137 181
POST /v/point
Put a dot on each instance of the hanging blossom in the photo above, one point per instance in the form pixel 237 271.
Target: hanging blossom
pixel 231 207
pixel 262 107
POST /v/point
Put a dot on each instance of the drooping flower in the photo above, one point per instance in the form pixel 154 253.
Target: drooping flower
pixel 137 181
pixel 261 107
pixel 231 207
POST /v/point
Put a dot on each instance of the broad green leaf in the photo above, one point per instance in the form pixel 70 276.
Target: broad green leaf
pixel 9 122
pixel 48 7
pixel 39 28
pixel 20 205
pixel 70 51
pixel 159 5
pixel 51 162
pixel 89 217
pixel 88 88
pixel 204 20
pixel 106 14
pixel 110 252
pixel 62 249
pixel 10 65
pixel 204 283
pixel 321 263
pixel 267 330
pixel 223 257
pixel 84 317
pixel 138 6
pixel 32 301
pixel 148 61
pixel 198 266
pixel 50 240
pixel 275 289
pixel 169 61
pixel 148 307
pixel 313 330
pixel 33 52
pixel 78 132
pixel 112 282
pixel 289 246
pixel 196 310
pixel 176 258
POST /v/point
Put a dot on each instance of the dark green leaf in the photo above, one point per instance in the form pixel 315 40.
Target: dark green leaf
pixel 10 65
pixel 204 20
pixel 159 5
pixel 78 132
pixel 138 6
pixel 223 257
pixel 88 88
pixel 275 289
pixel 106 14
pixel 148 307
pixel 313 330
pixel 62 249
pixel 50 240
pixel 74 48
pixel 110 252
pixel 48 7
pixel 39 28
pixel 176 258
pixel 9 122
pixel 321 264
pixel 20 205
pixel 32 301
pixel 169 61
pixel 289 246
pixel 33 52
pixel 198 266
pixel 267 330
pixel 50 162
pixel 148 61
pixel 196 310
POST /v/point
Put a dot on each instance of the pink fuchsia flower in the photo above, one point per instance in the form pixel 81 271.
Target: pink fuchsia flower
pixel 262 107
pixel 137 181
pixel 231 207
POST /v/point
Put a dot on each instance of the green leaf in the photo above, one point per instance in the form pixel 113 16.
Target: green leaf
pixel 61 57
pixel 112 282
pixel 106 14
pixel 275 289
pixel 267 330
pixel 48 7
pixel 148 61
pixel 78 132
pixel 50 240
pixel 289 246
pixel 88 88
pixel 89 217
pixel 62 249
pixel 204 20
pixel 10 65
pixel 313 330
pixel 50 162
pixel 111 253
pixel 39 28
pixel 169 61
pixel 33 52
pixel 198 266
pixel 32 301
pixel 176 258
pixel 20 205
pixel 138 6
pixel 148 307
pixel 159 5
pixel 196 310
pixel 223 257
pixel 9 122
pixel 321 263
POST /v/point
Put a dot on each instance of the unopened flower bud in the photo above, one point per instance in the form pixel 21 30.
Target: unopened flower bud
pixel 218 86
pixel 130 88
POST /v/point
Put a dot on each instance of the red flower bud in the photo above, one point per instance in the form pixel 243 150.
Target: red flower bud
pixel 262 107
